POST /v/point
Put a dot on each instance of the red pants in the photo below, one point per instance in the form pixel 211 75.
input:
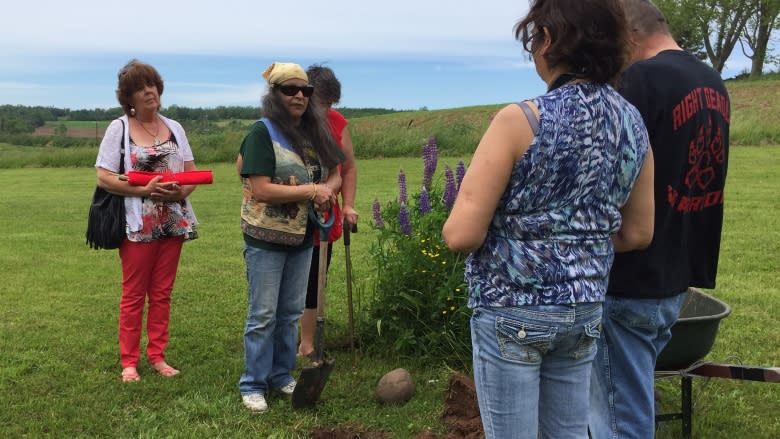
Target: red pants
pixel 148 269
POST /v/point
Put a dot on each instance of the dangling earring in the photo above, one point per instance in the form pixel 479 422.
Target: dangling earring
pixel 132 111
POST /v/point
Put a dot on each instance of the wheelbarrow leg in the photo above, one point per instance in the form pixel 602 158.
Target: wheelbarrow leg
pixel 686 398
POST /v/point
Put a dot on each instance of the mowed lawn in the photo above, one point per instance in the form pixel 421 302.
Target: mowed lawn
pixel 59 370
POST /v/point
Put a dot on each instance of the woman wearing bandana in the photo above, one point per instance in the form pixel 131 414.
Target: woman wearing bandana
pixel 288 165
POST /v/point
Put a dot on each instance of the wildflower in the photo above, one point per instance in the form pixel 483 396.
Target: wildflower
pixel 425 202
pixel 450 191
pixel 377 214
pixel 402 187
pixel 403 220
pixel 430 154
pixel 460 172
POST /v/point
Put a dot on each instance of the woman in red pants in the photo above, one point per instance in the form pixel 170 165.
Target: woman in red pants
pixel 159 216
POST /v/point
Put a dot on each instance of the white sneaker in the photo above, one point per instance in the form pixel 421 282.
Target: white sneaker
pixel 255 402
pixel 288 389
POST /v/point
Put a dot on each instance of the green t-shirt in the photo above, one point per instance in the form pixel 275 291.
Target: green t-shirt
pixel 259 159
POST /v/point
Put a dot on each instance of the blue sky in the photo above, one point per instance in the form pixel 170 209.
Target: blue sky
pixel 402 54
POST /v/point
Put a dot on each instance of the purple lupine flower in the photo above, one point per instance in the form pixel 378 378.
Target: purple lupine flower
pixel 430 154
pixel 425 202
pixel 450 191
pixel 402 197
pixel 403 220
pixel 377 214
pixel 460 172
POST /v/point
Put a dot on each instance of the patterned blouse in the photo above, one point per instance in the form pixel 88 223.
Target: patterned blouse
pixel 549 240
pixel 161 219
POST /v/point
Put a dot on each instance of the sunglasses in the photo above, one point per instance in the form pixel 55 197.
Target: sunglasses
pixel 292 90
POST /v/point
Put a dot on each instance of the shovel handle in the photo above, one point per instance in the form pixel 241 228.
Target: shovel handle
pixel 348 230
pixel 324 225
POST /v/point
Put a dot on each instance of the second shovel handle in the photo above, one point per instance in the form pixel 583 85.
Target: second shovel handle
pixel 348 230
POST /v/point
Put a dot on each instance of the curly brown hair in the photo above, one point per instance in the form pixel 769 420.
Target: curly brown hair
pixel 134 76
pixel 589 37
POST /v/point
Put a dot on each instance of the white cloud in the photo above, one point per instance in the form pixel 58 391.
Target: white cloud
pixel 246 27
pixel 6 86
pixel 206 94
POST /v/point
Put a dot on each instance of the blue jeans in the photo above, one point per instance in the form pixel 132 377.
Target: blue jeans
pixel 277 291
pixel 532 369
pixel 635 331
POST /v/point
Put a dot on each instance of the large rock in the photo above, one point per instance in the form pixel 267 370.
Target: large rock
pixel 395 387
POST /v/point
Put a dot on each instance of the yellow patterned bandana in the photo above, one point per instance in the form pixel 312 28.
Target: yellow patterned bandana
pixel 279 72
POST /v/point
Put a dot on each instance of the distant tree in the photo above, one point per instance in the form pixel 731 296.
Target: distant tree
pixel 725 23
pixel 680 14
pixel 757 33
pixel 708 28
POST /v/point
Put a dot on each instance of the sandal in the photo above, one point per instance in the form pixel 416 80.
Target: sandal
pixel 130 374
pixel 165 370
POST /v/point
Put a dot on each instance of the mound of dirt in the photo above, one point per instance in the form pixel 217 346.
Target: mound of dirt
pixel 461 411
pixel 340 433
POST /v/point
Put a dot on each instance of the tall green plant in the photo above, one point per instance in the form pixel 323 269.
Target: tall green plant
pixel 419 305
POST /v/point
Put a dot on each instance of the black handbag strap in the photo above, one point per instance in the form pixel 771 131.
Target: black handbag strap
pixel 122 149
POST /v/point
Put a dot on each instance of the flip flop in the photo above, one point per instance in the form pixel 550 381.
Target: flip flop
pixel 130 375
pixel 165 370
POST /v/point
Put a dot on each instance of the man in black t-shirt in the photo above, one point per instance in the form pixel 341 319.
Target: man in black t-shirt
pixel 686 109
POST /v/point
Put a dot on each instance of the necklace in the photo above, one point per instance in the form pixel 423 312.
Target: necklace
pixel 157 124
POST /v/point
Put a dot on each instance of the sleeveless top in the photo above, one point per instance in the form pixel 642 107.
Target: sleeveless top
pixel 549 240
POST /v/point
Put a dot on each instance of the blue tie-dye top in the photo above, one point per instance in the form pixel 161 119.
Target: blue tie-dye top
pixel 549 240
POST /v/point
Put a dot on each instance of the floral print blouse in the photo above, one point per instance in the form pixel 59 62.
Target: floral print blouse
pixel 161 219
pixel 549 240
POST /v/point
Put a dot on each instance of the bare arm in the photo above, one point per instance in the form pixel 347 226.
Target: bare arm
pixel 265 191
pixel 504 143
pixel 638 213
pixel 348 179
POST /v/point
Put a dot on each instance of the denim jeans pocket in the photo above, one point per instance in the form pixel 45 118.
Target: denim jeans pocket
pixel 587 343
pixel 523 342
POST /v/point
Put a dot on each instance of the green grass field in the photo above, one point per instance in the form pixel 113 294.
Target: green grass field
pixel 59 369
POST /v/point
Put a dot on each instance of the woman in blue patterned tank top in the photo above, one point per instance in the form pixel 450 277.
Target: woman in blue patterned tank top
pixel 555 187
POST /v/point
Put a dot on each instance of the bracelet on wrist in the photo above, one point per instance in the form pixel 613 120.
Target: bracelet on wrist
pixel 314 194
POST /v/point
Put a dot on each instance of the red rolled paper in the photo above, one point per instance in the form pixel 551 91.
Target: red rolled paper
pixel 142 178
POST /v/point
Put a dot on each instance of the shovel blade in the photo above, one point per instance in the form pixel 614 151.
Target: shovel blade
pixel 311 383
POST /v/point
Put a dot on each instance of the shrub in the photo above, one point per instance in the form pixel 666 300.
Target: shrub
pixel 419 302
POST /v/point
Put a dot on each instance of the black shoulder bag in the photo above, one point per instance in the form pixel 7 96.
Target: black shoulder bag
pixel 106 224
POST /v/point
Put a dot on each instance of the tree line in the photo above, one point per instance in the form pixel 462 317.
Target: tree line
pixel 20 119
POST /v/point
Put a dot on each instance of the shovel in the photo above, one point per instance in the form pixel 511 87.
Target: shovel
pixel 314 377
pixel 348 271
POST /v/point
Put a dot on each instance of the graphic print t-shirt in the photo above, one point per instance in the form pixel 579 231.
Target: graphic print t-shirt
pixel 686 109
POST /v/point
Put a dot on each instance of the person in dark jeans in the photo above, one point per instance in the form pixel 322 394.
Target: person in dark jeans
pixel 686 109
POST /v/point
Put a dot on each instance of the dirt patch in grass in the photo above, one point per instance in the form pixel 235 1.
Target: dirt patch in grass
pixel 71 132
pixel 461 411
pixel 460 416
